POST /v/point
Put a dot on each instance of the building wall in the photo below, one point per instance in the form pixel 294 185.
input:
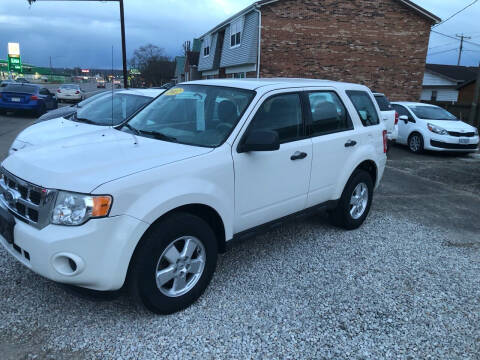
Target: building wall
pixel 443 95
pixel 246 53
pixel 208 62
pixel 379 43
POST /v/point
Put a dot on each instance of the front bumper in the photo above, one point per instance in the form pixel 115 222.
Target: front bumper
pixel 100 250
pixel 452 143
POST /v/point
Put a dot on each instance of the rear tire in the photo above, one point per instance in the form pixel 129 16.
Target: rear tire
pixel 163 276
pixel 354 205
pixel 415 143
pixel 42 110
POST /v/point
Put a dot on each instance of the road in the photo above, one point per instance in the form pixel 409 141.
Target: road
pixel 405 285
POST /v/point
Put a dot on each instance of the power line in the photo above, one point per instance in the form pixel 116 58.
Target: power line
pixel 458 12
pixel 442 52
pixel 462 39
pixel 439 46
pixel 452 37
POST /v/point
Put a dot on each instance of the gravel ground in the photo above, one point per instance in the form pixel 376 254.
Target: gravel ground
pixel 393 289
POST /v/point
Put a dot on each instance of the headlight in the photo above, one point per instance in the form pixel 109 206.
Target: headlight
pixel 476 132
pixel 17 145
pixel 437 129
pixel 77 209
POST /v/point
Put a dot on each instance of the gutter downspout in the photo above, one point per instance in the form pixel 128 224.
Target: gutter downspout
pixel 257 10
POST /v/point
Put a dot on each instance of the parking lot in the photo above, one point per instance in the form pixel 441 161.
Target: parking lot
pixel 405 285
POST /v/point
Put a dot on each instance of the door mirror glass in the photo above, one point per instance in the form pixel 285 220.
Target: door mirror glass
pixel 260 140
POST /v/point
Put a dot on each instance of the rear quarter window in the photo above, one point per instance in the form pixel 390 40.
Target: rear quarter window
pixel 383 103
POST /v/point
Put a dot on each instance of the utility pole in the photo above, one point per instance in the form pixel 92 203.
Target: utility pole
pixel 474 112
pixel 462 38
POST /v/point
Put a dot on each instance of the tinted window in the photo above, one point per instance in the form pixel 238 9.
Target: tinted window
pixel 383 103
pixel 193 114
pixel 401 110
pixel 365 108
pixel 328 113
pixel 283 114
pixel 16 88
pixel 103 112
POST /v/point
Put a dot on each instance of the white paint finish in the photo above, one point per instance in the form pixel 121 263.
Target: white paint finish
pixel 421 126
pixel 241 69
pixel 148 178
pixel 450 95
pixel 433 79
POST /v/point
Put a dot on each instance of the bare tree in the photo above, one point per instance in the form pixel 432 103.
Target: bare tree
pixel 156 67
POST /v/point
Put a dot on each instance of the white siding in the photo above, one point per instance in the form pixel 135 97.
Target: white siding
pixel 442 95
pixel 431 79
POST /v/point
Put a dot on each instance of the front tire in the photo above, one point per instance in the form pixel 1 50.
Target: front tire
pixel 415 143
pixel 354 205
pixel 173 264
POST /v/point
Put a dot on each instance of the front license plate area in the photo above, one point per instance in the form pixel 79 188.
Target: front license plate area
pixel 7 224
pixel 464 141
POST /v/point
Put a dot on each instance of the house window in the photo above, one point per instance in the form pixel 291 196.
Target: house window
pixel 434 95
pixel 206 46
pixel 240 75
pixel 236 29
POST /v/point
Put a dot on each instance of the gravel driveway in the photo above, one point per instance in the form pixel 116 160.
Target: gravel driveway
pixel 406 285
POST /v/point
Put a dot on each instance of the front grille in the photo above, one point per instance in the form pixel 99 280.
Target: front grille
pixel 459 134
pixel 28 202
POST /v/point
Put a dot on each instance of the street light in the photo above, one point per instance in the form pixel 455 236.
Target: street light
pixel 122 25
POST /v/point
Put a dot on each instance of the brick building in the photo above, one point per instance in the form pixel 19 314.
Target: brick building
pixel 380 43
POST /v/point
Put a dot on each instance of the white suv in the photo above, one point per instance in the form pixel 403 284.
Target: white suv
pixel 152 202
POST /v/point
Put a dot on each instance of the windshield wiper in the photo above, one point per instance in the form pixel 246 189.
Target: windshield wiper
pixel 158 135
pixel 130 127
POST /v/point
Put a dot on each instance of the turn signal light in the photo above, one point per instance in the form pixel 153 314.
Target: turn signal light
pixel 34 97
pixel 101 206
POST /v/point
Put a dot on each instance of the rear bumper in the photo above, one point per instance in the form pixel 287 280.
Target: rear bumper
pixel 69 97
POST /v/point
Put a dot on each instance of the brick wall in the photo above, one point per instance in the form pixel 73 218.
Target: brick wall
pixel 466 94
pixel 379 43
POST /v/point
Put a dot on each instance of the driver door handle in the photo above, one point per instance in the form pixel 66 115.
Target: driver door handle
pixel 350 143
pixel 298 156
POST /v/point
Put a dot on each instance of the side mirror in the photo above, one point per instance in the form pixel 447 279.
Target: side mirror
pixel 260 140
pixel 404 118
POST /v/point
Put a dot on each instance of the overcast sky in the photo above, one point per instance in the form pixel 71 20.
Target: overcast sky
pixel 82 34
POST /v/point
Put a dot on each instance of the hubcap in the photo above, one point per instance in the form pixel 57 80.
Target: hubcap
pixel 415 143
pixel 180 266
pixel 359 201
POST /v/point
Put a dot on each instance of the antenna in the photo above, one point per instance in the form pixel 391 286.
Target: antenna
pixel 112 86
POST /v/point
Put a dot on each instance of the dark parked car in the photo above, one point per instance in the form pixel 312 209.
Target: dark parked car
pixel 68 111
pixel 28 97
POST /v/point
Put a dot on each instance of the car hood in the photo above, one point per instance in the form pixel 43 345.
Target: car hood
pixel 56 129
pixel 82 163
pixel 452 125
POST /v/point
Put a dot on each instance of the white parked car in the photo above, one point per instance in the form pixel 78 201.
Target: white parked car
pixel 153 201
pixel 90 117
pixel 430 127
pixel 70 92
pixel 389 116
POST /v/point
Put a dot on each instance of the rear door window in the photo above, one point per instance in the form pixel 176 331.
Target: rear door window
pixel 329 115
pixel 365 108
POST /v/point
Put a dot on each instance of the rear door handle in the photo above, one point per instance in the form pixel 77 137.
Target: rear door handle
pixel 350 143
pixel 298 156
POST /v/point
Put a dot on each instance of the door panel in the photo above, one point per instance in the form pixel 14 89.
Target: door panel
pixel 270 185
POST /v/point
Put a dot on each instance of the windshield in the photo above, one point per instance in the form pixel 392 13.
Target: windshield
pixel 432 113
pixel 70 87
pixel 102 111
pixel 93 98
pixel 199 115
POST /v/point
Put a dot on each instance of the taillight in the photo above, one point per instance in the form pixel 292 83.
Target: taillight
pixel 34 97
pixel 59 91
pixel 77 92
pixel 385 142
pixel 397 115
